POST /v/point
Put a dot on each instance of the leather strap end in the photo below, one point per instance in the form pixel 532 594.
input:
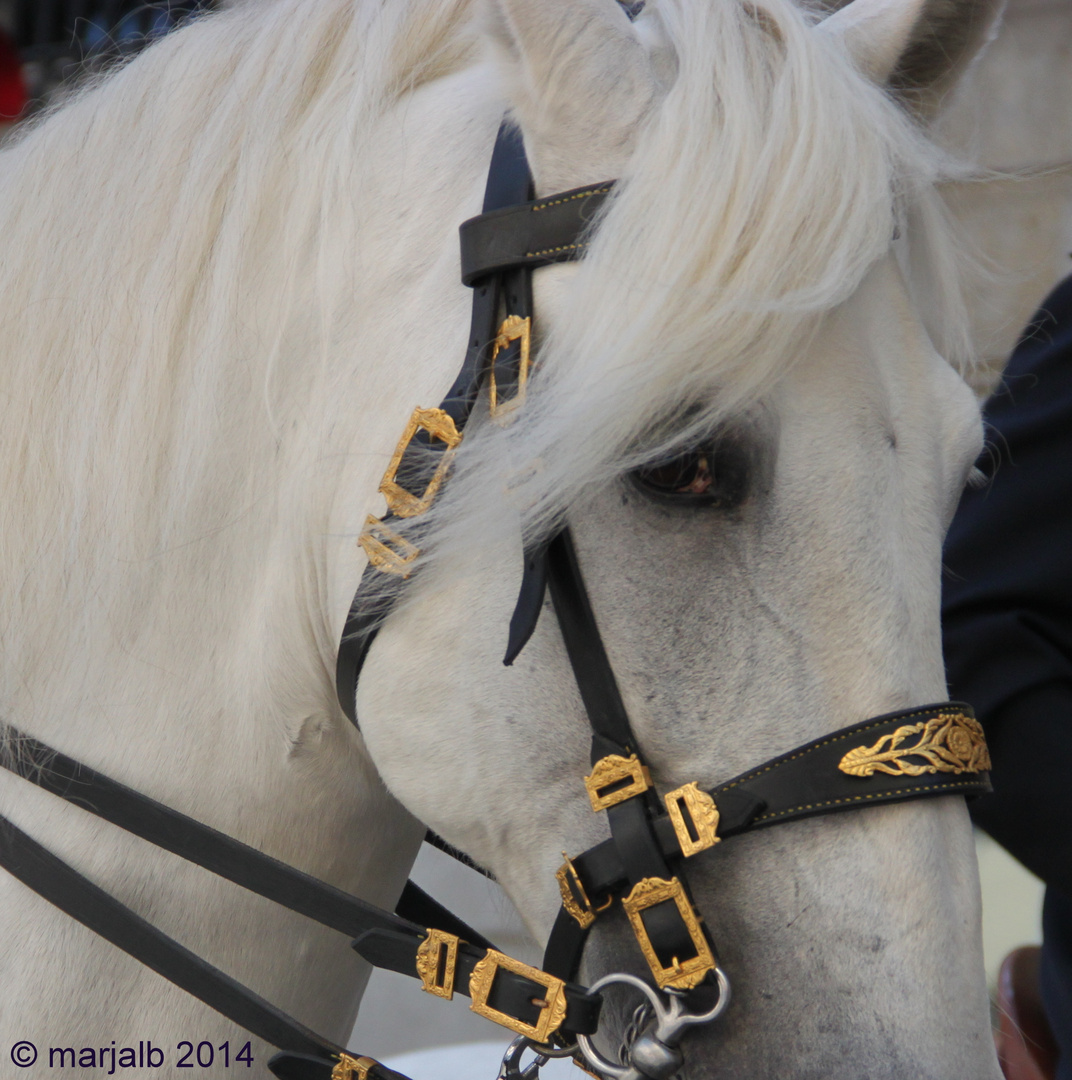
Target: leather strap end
pixel 388 949
pixel 738 809
pixel 530 599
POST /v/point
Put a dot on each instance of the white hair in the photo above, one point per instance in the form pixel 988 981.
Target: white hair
pixel 170 287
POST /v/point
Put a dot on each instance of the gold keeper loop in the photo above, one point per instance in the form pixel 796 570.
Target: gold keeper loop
pixel 514 328
pixel 439 425
pixel 351 1068
pixel 387 550
pixel 574 898
pixel 552 1007
pixel 679 975
pixel 437 957
pixel 606 784
pixel 699 830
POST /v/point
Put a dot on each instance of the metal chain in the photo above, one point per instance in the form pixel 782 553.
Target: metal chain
pixel 642 1015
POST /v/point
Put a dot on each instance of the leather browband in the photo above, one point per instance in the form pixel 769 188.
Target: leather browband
pixel 532 234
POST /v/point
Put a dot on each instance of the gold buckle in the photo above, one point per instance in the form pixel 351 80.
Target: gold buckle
pixel 351 1068
pixel 681 975
pixel 386 549
pixel 699 831
pixel 440 426
pixel 574 898
pixel 437 957
pixel 608 773
pixel 552 1006
pixel 514 328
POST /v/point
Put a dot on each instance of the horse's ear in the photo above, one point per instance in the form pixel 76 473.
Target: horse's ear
pixel 578 79
pixel 918 47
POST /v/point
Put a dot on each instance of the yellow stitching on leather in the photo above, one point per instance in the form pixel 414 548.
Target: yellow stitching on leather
pixel 570 198
pixel 555 250
pixel 941 786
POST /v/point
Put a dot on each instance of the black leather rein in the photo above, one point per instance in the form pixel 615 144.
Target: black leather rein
pixel 929 751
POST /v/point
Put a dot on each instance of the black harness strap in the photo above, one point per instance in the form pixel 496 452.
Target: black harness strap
pixel 611 731
pixel 631 821
pixel 213 850
pixel 83 901
pixel 511 994
pixel 509 182
pixel 384 939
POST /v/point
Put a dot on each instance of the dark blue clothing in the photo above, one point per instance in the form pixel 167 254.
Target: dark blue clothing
pixel 1007 614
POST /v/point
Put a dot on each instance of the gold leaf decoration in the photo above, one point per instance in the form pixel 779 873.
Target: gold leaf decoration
pixel 948 743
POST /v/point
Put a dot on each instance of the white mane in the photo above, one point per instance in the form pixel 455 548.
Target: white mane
pixel 169 360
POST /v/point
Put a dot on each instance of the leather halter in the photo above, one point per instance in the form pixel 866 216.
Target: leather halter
pixel 929 751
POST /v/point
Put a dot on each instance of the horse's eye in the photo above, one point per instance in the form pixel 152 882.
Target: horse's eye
pixel 713 475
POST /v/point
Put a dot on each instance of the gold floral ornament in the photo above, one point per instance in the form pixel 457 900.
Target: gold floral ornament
pixel 948 743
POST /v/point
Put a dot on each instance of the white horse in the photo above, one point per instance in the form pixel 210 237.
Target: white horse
pixel 229 273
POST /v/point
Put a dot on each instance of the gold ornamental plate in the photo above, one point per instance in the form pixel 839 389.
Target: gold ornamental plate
pixel 946 743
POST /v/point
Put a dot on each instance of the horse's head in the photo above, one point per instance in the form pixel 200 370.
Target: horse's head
pixel 743 409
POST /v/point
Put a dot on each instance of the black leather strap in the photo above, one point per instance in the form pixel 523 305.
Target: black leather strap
pixel 384 939
pixel 77 896
pixel 509 182
pixel 530 599
pixel 635 842
pixel 808 781
pixel 216 851
pixel 531 234
pixel 602 700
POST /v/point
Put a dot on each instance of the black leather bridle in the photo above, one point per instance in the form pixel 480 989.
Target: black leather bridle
pixel 927 751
